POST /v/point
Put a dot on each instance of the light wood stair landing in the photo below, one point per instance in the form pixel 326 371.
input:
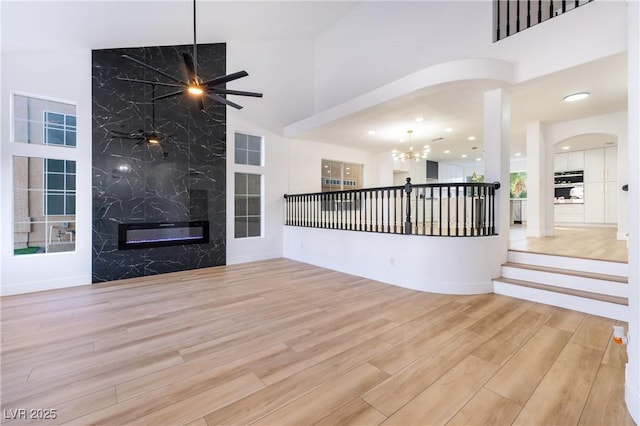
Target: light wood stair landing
pixel 592 286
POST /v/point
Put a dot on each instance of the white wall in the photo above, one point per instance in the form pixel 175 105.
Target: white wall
pixel 275 172
pixel 305 159
pixel 283 71
pixel 63 75
pixel 379 42
pixel 434 264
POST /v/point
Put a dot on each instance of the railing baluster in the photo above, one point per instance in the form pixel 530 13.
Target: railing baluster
pixel 391 209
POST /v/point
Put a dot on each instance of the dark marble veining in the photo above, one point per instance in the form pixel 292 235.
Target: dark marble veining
pixel 181 179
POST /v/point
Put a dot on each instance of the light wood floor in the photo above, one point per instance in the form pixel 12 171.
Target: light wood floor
pixel 586 242
pixel 280 342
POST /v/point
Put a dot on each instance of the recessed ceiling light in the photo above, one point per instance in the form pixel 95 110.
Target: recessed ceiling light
pixel 419 119
pixel 566 147
pixel 401 140
pixel 448 130
pixel 464 156
pixel 447 152
pixel 472 138
pixel 576 96
pixel 518 154
pixel 478 159
pixel 372 132
pixel 427 146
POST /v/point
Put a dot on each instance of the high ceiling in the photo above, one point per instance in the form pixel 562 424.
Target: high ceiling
pixel 458 107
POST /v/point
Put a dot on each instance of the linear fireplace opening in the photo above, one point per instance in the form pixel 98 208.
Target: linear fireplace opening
pixel 146 235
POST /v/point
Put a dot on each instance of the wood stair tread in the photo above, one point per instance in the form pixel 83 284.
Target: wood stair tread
pixel 562 290
pixel 582 274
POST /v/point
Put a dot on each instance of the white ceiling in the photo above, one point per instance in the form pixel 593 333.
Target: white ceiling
pixel 460 108
pixel 456 106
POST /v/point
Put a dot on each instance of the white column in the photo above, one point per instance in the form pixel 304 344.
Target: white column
pixel 497 119
pixel 539 183
pixel 535 183
pixel 632 371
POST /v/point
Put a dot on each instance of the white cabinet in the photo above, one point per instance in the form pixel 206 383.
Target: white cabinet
pixel 594 165
pixel 560 162
pixel 611 193
pixel 594 202
pixel 568 161
pixel 601 185
pixel 569 213
pixel 611 164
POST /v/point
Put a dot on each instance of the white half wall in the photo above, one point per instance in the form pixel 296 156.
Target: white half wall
pixel 451 265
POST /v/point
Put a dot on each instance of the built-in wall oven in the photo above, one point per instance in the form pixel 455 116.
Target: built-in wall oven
pixel 569 187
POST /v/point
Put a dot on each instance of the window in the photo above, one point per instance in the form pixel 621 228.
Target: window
pixel 248 188
pixel 339 176
pixel 44 122
pixel 248 149
pixel 59 187
pixel 59 129
pixel 44 188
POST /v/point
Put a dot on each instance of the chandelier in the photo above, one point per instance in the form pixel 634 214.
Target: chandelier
pixel 410 154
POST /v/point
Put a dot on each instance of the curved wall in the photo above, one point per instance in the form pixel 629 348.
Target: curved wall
pixel 451 265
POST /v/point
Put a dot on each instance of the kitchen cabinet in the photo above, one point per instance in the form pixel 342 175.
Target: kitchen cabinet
pixel 601 185
pixel 568 161
pixel 569 213
pixel 594 202
pixel 611 194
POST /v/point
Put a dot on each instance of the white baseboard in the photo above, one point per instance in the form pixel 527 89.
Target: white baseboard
pixel 43 285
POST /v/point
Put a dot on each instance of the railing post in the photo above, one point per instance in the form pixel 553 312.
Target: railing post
pixel 407 221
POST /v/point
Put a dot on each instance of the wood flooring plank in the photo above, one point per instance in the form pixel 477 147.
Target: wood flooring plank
pixel 493 322
pixel 355 413
pixel 510 339
pixel 442 400
pixel 486 408
pixel 403 386
pixel 567 320
pixel 604 406
pixel 594 332
pixel 415 347
pixel 283 392
pixel 569 380
pixel 197 406
pixel 157 379
pixel 437 314
pixel 312 407
pixel 520 376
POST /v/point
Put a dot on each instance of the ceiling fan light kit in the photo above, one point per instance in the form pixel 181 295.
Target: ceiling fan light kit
pixel 213 89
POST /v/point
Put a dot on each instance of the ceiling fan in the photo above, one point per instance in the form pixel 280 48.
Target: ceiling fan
pixel 193 85
pixel 150 138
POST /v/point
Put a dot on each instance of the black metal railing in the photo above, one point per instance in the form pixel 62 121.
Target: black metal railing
pixel 439 209
pixel 513 16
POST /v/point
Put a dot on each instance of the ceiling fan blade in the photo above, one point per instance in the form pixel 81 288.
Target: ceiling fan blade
pixel 129 137
pixel 139 62
pixel 225 78
pixel 223 100
pixel 191 69
pixel 237 92
pixel 158 83
pixel 168 95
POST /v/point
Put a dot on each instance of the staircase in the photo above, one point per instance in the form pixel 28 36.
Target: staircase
pixel 592 286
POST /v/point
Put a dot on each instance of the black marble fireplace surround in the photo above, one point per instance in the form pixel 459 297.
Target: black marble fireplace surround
pixel 180 180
